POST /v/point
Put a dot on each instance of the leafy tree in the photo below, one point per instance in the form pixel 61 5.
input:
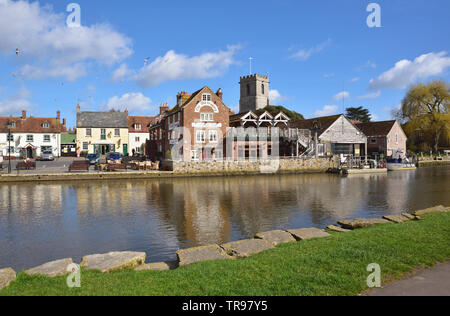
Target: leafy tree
pixel 426 107
pixel 358 114
pixel 274 110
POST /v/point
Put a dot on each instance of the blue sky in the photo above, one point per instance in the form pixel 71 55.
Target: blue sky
pixel 314 51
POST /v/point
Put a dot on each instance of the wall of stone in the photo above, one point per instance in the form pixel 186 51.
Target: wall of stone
pixel 268 166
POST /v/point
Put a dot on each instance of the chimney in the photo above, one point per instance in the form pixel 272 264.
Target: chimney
pixel 126 111
pixel 163 108
pixel 78 108
pixel 64 121
pixel 24 114
pixel 58 116
pixel 219 93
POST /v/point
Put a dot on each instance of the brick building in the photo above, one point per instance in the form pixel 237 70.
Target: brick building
pixel 194 129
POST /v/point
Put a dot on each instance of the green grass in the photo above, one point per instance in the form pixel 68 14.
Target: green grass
pixel 330 266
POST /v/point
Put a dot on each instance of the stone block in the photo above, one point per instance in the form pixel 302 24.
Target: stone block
pixel 203 253
pixel 113 261
pixel 361 222
pixel 338 229
pixel 276 237
pixel 245 248
pixel 308 233
pixel 396 218
pixel 6 277
pixel 158 266
pixel 51 269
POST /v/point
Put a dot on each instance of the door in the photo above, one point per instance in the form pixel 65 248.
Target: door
pixel 29 152
pixel 125 149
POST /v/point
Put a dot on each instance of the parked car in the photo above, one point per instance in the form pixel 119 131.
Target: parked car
pixel 47 156
pixel 93 159
pixel 114 156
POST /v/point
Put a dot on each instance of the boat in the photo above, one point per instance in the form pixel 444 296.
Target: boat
pixel 400 165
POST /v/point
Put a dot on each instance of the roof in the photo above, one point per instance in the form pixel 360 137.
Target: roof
pixel 68 138
pixel 376 128
pixel 144 121
pixel 325 122
pixel 31 125
pixel 102 120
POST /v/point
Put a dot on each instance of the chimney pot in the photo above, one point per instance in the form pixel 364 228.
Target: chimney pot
pixel 24 114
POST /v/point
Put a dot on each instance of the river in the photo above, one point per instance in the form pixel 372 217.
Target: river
pixel 41 222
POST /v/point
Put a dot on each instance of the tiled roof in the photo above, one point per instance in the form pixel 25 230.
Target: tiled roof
pixel 31 125
pixel 102 120
pixel 144 121
pixel 376 128
pixel 324 122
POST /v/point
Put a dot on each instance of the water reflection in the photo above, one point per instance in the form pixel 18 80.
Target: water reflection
pixel 42 222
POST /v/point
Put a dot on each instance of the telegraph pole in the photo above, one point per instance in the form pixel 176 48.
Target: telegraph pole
pixel 9 149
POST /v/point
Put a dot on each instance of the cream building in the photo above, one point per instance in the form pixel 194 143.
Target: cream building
pixel 102 132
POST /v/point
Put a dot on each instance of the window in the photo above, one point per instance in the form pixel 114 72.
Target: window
pixel 85 146
pixel 248 90
pixel 45 125
pixel 10 138
pixel 396 138
pixel 46 138
pixel 263 89
pixel 137 139
pixel 208 117
pixel 137 127
pixel 200 136
pixel 12 124
pixel 206 97
pixel 117 132
pixel 194 155
pixel 30 138
pixel 88 132
pixel 213 136
pixel 103 134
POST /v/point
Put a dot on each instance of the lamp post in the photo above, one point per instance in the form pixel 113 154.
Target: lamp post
pixel 9 149
pixel 315 128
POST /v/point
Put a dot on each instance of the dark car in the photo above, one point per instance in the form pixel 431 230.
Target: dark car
pixel 114 156
pixel 93 159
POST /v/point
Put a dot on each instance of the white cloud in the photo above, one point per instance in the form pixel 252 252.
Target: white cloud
pixel 355 79
pixel 406 72
pixel 327 76
pixel 43 39
pixel 275 96
pixel 173 66
pixel 305 54
pixel 327 110
pixel 121 72
pixel 133 101
pixel 368 64
pixel 341 95
pixel 370 95
pixel 16 102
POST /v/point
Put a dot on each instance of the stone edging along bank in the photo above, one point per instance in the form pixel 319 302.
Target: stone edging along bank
pixel 116 261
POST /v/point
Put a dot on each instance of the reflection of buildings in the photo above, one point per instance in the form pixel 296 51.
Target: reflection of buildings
pixel 25 198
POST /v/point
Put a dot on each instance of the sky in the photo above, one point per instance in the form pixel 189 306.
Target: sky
pixel 321 56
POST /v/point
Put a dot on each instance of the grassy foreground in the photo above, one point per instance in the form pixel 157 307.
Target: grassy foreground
pixel 330 266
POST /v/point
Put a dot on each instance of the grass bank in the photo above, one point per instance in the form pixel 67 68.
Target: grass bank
pixel 330 266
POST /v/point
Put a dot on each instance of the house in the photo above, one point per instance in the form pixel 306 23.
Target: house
pixel 196 125
pixel 384 138
pixel 336 135
pixel 102 132
pixel 68 144
pixel 138 132
pixel 30 136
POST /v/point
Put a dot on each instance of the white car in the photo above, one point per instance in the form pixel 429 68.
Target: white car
pixel 47 156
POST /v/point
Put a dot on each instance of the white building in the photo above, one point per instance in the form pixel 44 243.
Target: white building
pixel 138 133
pixel 30 136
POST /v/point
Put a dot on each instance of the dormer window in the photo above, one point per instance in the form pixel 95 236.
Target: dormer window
pixel 206 97
pixel 45 125
pixel 12 125
pixel 137 127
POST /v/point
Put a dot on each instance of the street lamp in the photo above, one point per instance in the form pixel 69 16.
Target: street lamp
pixel 9 148
pixel 316 128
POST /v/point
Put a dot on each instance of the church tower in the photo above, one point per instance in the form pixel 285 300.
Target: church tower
pixel 254 93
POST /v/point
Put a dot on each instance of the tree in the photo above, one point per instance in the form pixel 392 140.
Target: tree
pixel 359 114
pixel 426 107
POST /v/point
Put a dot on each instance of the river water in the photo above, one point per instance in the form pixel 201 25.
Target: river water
pixel 49 221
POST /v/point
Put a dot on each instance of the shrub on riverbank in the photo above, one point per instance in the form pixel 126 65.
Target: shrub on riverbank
pixel 328 266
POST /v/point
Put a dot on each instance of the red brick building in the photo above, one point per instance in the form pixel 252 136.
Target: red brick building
pixel 193 130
